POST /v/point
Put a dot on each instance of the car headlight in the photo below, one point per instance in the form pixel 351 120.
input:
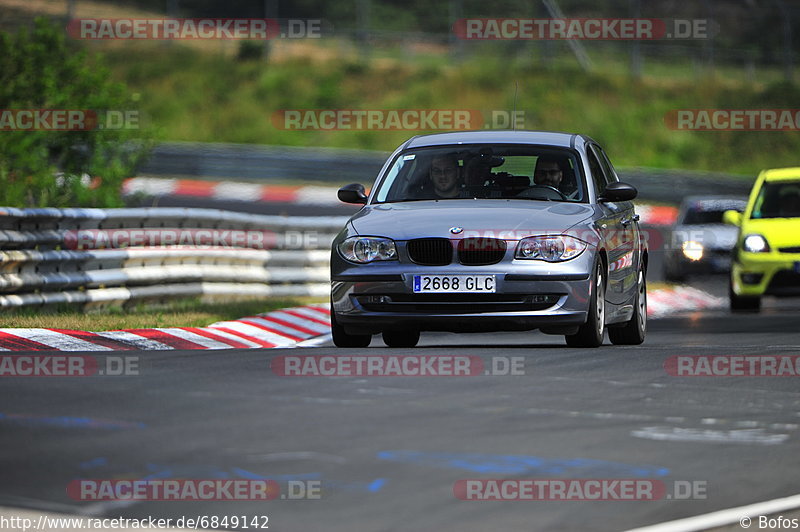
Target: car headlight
pixel 755 244
pixel 692 250
pixel 549 248
pixel 364 249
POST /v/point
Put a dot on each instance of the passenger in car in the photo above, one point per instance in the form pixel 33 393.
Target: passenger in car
pixel 445 174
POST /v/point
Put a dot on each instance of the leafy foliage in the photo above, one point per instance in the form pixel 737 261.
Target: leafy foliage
pixel 203 97
pixel 41 70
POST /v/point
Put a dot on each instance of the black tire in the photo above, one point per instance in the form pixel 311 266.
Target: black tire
pixel 634 331
pixel 591 333
pixel 401 338
pixel 743 303
pixel 674 276
pixel 342 339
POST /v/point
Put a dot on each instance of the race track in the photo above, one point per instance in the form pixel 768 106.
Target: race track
pixel 388 450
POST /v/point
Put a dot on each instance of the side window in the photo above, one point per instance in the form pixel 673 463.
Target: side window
pixel 598 176
pixel 607 166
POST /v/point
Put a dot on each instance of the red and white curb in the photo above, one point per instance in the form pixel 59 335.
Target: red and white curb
pixel 228 190
pixel 657 215
pixel 305 326
pixel 665 301
pixel 301 195
pixel 292 327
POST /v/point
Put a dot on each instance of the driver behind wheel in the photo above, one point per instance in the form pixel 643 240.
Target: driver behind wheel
pixel 548 172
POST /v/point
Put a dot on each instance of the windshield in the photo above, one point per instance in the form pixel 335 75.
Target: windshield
pixel 711 211
pixel 779 199
pixel 483 171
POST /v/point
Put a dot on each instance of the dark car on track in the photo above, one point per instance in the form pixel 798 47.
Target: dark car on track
pixel 700 241
pixel 491 231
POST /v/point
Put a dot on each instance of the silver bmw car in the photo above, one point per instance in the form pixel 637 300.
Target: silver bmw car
pixel 491 231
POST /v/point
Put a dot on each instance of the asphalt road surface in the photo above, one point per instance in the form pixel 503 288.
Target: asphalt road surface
pixel 387 451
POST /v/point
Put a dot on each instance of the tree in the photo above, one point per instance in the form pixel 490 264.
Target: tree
pixel 40 70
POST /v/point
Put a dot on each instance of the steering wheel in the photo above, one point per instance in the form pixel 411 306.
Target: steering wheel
pixel 525 193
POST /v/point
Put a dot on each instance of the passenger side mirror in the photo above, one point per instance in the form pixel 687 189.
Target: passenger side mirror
pixel 353 193
pixel 618 191
pixel 732 217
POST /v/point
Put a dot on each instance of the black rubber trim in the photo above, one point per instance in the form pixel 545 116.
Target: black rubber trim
pixel 563 277
pixel 361 278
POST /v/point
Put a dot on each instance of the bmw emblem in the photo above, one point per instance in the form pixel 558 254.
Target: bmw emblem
pixel 456 230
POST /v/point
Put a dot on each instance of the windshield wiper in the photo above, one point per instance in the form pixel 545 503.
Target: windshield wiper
pixel 409 199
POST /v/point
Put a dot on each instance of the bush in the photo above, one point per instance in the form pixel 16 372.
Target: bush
pixel 252 51
pixel 40 70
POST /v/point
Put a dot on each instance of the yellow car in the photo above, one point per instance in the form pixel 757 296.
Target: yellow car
pixel 766 259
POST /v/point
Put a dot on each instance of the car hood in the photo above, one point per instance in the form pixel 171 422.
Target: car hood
pixel 779 232
pixel 712 236
pixel 508 219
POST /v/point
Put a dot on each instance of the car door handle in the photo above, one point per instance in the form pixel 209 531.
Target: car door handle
pixel 627 221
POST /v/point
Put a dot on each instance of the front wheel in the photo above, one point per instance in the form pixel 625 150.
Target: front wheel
pixel 634 331
pixel 743 303
pixel 674 274
pixel 343 339
pixel 591 333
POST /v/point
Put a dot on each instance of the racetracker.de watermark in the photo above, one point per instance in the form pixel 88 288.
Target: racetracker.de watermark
pixel 733 119
pixel 57 365
pixel 618 239
pixel 653 238
pixel 201 238
pixel 395 366
pixel 396 119
pixel 599 29
pixel 578 489
pixel 67 119
pixel 173 490
pixel 201 522
pixel 733 365
pixel 195 28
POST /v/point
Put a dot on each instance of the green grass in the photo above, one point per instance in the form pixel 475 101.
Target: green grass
pixel 184 313
pixel 200 96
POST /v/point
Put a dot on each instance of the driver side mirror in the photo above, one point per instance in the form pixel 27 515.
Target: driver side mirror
pixel 618 191
pixel 353 193
pixel 732 217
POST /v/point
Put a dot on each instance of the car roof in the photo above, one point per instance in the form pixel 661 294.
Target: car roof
pixel 495 136
pixel 710 198
pixel 712 203
pixel 782 174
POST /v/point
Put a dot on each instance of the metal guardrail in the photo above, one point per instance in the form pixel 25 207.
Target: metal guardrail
pixel 250 162
pixel 112 256
pixel 671 186
pixel 244 162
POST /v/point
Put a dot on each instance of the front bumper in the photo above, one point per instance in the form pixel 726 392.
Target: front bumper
pixel 522 301
pixel 773 273
pixel 713 261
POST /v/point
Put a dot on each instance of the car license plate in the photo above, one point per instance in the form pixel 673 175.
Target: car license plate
pixel 450 284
